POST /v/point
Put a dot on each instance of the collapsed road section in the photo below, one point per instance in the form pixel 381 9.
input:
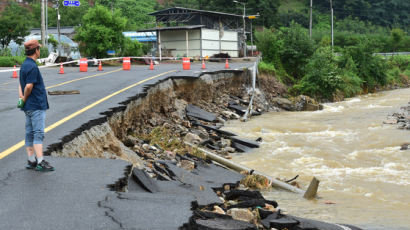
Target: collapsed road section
pixel 168 184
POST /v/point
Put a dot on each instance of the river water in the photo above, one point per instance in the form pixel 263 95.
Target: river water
pixel 347 147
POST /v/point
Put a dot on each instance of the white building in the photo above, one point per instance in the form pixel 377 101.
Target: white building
pixel 196 33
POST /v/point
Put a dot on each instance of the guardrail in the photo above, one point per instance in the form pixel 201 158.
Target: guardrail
pixel 392 54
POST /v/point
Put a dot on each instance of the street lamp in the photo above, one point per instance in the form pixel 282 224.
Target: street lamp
pixel 250 18
pixel 243 17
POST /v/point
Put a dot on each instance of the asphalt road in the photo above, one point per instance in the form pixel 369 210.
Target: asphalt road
pixel 72 196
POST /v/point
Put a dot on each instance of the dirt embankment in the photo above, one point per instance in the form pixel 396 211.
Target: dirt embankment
pixel 165 103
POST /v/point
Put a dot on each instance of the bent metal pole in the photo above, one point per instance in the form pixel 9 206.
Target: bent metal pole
pixel 240 168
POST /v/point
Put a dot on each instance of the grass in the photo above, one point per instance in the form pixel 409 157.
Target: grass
pixel 166 139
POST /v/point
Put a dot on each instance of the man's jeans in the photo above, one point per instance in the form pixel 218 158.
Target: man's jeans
pixel 35 122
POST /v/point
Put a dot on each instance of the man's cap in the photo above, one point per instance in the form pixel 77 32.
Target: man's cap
pixel 32 44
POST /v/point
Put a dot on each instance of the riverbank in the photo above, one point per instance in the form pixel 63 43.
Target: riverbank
pixel 346 146
pixel 150 130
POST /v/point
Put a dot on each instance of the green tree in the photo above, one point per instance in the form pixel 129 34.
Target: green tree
pixel 370 68
pixel 101 30
pixel 396 38
pixel 14 23
pixel 296 51
pixel 322 77
pixel 136 11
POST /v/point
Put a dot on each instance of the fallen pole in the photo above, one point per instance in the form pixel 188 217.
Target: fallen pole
pixel 240 168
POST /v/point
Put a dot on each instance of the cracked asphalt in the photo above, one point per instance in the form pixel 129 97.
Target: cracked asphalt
pixel 76 196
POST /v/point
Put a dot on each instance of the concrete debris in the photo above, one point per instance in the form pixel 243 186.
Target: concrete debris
pixel 241 214
pixel 192 138
pixel 187 165
pixel 219 210
pixel 243 141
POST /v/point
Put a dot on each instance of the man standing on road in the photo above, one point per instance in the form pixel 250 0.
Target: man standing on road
pixel 33 101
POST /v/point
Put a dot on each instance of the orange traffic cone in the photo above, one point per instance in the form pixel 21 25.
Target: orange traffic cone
pixel 15 72
pixel 226 64
pixel 203 64
pixel 100 66
pixel 151 66
pixel 61 69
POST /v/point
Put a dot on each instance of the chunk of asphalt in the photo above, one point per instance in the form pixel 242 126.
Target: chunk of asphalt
pixel 144 180
pixel 246 142
pixel 240 148
pixel 195 111
pixel 213 128
pixel 263 213
pixel 239 109
pixel 243 195
pixel 280 223
pixel 222 224
pixel 198 182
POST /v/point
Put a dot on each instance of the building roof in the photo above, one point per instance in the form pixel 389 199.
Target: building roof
pixel 173 28
pixel 178 10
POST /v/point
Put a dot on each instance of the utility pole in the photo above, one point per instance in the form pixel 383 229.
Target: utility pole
pixel 58 25
pixel 331 15
pixel 244 31
pixel 43 24
pixel 310 19
pixel 46 7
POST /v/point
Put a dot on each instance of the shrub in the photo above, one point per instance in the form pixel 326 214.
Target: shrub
pixel 132 48
pixel 322 77
pixel 6 62
pixel 371 69
pixel 19 59
pixel 352 84
pixel 265 67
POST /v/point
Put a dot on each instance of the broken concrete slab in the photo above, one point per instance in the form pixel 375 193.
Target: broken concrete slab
pixel 243 141
pixel 144 180
pixel 216 129
pixel 199 182
pixel 195 111
pixel 237 108
pixel 240 148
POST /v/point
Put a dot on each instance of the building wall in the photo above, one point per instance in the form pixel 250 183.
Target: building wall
pixel 174 43
pixel 212 45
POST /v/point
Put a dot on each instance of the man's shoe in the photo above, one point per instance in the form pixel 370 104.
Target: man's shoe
pixel 31 165
pixel 44 166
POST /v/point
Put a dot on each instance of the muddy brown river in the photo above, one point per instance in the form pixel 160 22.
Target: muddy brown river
pixel 365 177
